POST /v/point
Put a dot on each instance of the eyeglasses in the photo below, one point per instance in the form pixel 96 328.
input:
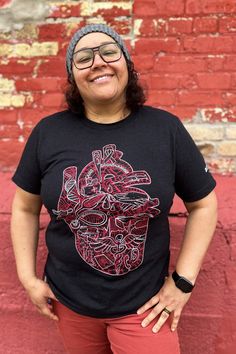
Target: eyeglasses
pixel 109 52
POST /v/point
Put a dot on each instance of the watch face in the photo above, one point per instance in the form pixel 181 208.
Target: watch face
pixel 184 285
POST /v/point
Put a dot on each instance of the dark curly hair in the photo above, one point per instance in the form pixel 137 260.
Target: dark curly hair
pixel 135 96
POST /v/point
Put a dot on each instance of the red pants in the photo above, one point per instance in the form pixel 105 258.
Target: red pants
pixel 121 335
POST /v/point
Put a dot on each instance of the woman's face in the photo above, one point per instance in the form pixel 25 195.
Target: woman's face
pixel 102 82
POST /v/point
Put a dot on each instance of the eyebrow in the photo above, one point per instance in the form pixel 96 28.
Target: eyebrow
pixel 107 42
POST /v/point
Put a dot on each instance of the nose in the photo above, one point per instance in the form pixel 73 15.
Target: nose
pixel 98 61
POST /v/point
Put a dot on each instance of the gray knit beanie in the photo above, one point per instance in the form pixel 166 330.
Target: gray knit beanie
pixel 89 29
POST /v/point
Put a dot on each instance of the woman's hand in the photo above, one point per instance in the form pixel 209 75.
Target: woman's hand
pixel 40 295
pixel 169 297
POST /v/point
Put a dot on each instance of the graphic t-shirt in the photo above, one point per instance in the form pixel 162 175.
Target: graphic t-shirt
pixel 108 189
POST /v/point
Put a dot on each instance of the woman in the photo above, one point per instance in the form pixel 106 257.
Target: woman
pixel 107 170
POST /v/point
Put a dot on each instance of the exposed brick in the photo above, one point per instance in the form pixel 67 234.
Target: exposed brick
pixel 6 85
pixel 207 44
pixel 205 132
pixel 214 80
pixel 227 148
pixel 231 132
pixel 64 10
pixel 7 100
pixel 218 114
pixel 106 8
pixel 206 148
pixel 158 8
pixel 205 24
pixel 210 6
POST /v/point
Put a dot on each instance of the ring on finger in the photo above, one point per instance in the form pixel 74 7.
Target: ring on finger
pixel 167 311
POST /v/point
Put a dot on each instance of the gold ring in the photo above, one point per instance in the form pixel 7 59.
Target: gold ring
pixel 167 311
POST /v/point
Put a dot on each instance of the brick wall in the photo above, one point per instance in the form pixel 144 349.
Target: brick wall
pixel 185 52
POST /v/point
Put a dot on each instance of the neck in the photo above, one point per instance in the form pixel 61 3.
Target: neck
pixel 106 114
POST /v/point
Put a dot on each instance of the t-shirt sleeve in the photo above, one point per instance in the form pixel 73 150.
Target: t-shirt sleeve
pixel 28 175
pixel 193 181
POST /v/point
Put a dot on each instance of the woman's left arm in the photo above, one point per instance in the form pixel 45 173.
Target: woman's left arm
pixel 199 230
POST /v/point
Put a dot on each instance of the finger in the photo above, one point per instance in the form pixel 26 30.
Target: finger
pixel 52 296
pixel 152 302
pixel 153 314
pixel 175 320
pixel 162 319
pixel 46 311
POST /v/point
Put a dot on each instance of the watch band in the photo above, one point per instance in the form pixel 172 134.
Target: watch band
pixel 182 283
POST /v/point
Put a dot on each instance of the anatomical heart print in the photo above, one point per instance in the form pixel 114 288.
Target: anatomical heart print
pixel 106 212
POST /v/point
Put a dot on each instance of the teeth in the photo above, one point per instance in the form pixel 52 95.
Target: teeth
pixel 101 78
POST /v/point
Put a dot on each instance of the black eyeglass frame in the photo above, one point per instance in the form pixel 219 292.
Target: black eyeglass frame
pixel 97 49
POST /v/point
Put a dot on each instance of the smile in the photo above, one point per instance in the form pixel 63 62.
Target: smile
pixel 102 78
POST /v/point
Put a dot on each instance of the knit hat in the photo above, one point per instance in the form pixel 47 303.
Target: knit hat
pixel 89 29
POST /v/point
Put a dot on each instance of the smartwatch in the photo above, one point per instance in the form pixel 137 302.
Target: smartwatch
pixel 182 283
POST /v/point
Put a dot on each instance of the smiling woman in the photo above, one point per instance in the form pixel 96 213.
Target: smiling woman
pixel 107 170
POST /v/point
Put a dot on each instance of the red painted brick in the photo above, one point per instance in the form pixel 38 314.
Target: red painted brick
pixel 156 45
pixel 214 80
pixel 121 25
pixel 52 100
pixel 180 64
pixel 233 82
pixel 179 26
pixel 40 84
pixel 10 132
pixel 5 3
pixel 207 44
pixel 8 116
pixel 32 116
pixel 184 113
pixel 152 28
pixel 161 98
pixel 10 153
pixel 230 98
pixel 227 24
pixel 14 68
pixel 200 98
pixel 157 8
pixel 158 81
pixel 210 6
pixel 230 63
pixel 205 24
pixel 115 11
pixel 215 62
pixel 143 63
pixel 52 67
pixel 47 31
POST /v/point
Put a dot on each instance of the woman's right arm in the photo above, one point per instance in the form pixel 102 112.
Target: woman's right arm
pixel 24 233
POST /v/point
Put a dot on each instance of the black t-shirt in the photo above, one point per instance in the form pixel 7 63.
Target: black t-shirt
pixel 108 189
